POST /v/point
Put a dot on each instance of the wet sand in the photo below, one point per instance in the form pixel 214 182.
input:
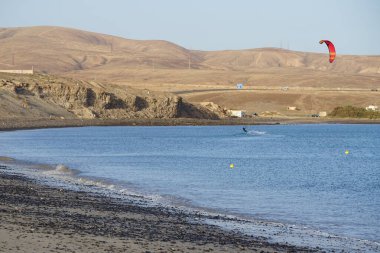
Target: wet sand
pixel 40 218
pixel 15 124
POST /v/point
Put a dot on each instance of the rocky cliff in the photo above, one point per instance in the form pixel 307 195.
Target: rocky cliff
pixel 50 96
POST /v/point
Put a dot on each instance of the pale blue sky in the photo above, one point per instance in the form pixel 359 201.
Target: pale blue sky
pixel 353 25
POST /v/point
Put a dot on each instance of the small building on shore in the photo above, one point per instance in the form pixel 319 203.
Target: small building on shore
pixel 237 113
pixel 292 108
pixel 18 71
pixel 322 114
pixel 372 108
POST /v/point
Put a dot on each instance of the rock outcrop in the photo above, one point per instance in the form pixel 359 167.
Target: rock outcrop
pixel 88 100
pixel 207 110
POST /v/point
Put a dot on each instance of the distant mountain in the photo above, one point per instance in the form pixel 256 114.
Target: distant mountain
pixel 56 49
pixel 85 54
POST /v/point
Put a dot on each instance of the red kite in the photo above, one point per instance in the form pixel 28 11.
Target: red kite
pixel 331 48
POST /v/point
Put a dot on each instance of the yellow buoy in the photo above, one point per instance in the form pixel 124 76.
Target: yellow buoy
pixel 232 165
pixel 347 152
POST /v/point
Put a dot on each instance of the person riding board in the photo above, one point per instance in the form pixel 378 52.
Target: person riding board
pixel 245 130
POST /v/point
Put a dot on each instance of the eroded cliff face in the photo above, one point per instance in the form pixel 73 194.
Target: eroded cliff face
pixel 88 102
pixel 81 99
pixel 205 110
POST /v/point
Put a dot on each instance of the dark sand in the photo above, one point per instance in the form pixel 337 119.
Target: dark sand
pixel 40 218
pixel 15 123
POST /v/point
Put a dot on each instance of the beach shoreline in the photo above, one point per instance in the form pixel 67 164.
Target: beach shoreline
pixel 257 235
pixel 38 217
pixel 20 124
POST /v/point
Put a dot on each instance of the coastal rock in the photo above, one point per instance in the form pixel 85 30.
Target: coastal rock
pixel 46 96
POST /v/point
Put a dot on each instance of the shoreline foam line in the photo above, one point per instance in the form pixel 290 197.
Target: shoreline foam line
pixel 32 210
pixel 272 231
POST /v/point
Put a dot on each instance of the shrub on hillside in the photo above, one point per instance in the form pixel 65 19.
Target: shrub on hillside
pixel 353 112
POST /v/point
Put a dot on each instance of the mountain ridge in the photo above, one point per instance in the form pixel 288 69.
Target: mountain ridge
pixel 288 77
pixel 77 50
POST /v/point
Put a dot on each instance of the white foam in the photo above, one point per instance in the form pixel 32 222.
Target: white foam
pixel 297 235
pixel 255 133
pixel 63 168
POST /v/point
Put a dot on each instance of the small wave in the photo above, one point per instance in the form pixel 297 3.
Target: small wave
pixel 98 183
pixel 61 169
pixel 256 133
pixel 65 176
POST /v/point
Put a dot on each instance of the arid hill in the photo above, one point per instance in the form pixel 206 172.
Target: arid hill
pixel 59 50
pixel 86 54
pixel 199 76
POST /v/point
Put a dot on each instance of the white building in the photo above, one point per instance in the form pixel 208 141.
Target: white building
pixel 292 108
pixel 237 113
pixel 285 88
pixel 322 114
pixel 372 108
pixel 18 71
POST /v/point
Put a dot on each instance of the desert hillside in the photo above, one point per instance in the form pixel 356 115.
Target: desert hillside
pixel 199 76
pixel 42 96
pixel 76 52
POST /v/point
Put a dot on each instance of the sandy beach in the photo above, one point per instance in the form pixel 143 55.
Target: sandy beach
pixel 40 218
pixel 17 124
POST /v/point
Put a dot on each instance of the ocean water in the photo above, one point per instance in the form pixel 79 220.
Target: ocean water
pixel 300 175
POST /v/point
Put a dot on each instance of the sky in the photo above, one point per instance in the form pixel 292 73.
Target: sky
pixel 352 25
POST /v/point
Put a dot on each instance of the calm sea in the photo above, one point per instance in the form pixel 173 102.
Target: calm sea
pixel 321 177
